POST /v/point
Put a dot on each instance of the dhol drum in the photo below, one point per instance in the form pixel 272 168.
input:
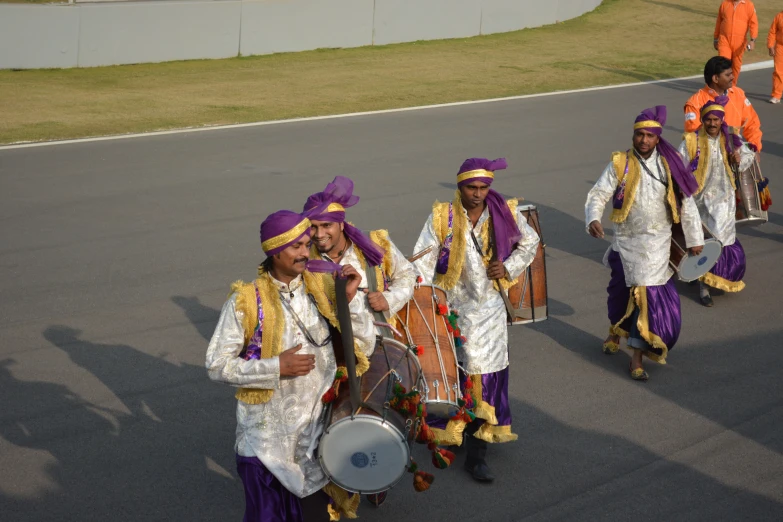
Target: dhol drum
pixel 421 325
pixel 368 451
pixel 529 296
pixel 749 211
pixel 689 268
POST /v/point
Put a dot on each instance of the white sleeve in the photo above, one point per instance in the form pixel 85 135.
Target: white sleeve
pixel 223 362
pixel 362 324
pixel 403 279
pixel 691 223
pixel 425 266
pixel 600 195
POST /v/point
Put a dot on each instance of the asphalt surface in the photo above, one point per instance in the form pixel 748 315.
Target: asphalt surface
pixel 116 257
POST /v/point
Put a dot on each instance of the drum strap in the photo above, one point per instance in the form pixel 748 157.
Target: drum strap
pixel 660 178
pixel 301 325
pixel 372 282
pixel 510 312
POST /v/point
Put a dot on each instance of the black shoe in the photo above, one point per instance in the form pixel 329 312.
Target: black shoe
pixel 376 499
pixel 480 472
pixel 706 300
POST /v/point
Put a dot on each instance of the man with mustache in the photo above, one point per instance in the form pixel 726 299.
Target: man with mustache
pixel 740 114
pixel 273 342
pixel 375 257
pixel 481 245
pixel 650 189
pixel 711 152
pixel 389 276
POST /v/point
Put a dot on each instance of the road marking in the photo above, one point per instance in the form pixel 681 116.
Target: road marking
pixel 24 145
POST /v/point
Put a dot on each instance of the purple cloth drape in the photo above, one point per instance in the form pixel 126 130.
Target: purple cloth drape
pixel 494 391
pixel 340 191
pixel 681 175
pixel 731 264
pixel 266 500
pixel 504 223
pixel 663 304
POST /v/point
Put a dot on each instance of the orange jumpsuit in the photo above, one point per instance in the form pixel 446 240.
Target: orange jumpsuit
pixel 731 30
pixel 739 113
pixel 775 41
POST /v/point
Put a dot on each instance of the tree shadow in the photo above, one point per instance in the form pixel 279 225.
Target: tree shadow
pixel 165 437
pixel 203 318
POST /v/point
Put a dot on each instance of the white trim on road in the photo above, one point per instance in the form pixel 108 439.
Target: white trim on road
pixel 22 145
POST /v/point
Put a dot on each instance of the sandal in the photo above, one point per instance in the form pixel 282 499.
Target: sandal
pixel 638 374
pixel 610 347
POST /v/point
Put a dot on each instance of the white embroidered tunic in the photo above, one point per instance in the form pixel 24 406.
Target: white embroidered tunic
pixel 644 238
pixel 283 433
pixel 402 279
pixel 717 202
pixel 482 313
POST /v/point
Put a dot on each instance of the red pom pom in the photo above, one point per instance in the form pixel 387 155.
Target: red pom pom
pixel 449 328
pixel 443 309
pixel 329 396
pixel 419 279
pixel 419 350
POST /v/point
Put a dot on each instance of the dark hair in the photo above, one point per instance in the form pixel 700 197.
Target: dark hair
pixel 715 65
pixel 266 265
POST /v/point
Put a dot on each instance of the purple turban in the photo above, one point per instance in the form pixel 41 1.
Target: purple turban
pixel 504 224
pixel 653 120
pixel 282 229
pixel 330 206
pixel 717 107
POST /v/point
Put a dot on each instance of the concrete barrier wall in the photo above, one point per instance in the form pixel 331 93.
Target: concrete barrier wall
pixel 88 35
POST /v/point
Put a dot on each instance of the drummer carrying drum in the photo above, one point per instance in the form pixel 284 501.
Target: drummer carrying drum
pixel 650 188
pixel 481 245
pixel 273 342
pixel 713 153
pixel 388 277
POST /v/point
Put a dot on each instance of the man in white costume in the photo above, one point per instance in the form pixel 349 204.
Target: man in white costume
pixel 650 189
pixel 273 342
pixel 481 245
pixel 711 152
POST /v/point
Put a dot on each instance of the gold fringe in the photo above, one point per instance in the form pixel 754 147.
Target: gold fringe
pixel 321 287
pixel 449 280
pixel 632 180
pixel 701 142
pixel 671 198
pixel 344 503
pixel 482 409
pixel 722 284
pixel 273 328
pixel 639 298
pixel 616 330
pixel 452 434
pixel 495 434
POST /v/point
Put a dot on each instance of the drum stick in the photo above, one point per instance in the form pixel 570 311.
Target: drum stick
pixel 346 332
pixel 420 254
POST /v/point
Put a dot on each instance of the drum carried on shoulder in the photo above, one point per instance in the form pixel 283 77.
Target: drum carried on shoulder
pixel 750 211
pixel 529 296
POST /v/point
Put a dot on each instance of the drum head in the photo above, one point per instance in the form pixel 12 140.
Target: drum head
pixel 693 267
pixel 442 409
pixel 363 454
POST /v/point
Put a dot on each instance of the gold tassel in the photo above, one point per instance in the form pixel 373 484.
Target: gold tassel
pixel 344 503
pixel 482 409
pixel 450 279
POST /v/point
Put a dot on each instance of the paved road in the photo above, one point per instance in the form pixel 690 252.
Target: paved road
pixel 116 257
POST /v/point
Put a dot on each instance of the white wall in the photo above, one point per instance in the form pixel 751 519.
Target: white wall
pixel 87 35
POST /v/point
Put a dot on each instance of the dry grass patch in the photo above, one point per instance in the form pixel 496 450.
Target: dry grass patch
pixel 621 41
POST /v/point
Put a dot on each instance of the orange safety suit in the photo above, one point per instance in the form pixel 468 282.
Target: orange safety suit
pixel 775 41
pixel 739 113
pixel 731 29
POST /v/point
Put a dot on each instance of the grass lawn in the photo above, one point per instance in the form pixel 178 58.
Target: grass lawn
pixel 621 41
